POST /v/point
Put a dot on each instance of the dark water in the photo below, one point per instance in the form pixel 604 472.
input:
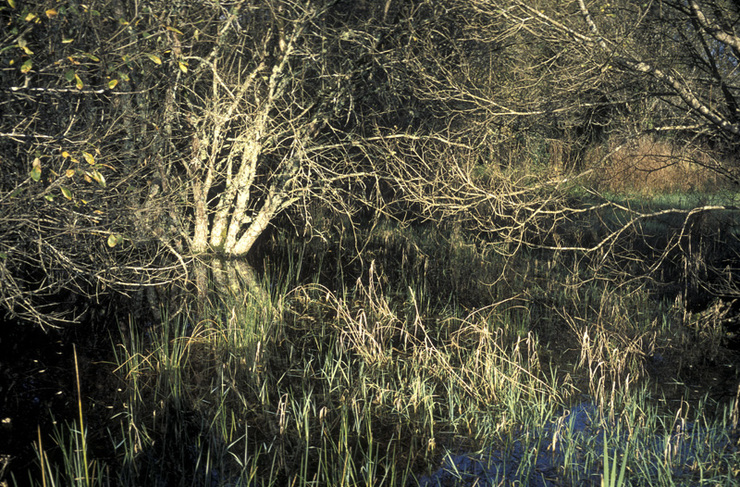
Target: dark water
pixel 539 461
pixel 37 387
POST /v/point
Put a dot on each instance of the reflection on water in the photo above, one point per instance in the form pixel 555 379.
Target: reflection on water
pixel 569 451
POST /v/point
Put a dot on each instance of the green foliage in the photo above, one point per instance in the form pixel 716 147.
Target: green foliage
pixel 609 477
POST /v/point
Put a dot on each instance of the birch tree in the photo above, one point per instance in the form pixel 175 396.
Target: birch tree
pixel 256 103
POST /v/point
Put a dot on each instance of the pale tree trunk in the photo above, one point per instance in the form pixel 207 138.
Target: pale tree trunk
pixel 199 242
pixel 231 226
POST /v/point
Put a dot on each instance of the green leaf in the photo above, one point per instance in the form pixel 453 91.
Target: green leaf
pixel 69 75
pixel 11 3
pixel 97 177
pixel 114 239
pixel 154 58
pixel 26 67
pixel 36 170
pixel 91 57
pixel 3 255
pixel 66 192
pixel 49 197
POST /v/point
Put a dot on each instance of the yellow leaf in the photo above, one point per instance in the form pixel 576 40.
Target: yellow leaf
pixel 154 58
pixel 26 67
pixel 183 66
pixel 99 178
pixel 69 173
pixel 36 171
pixel 23 44
pixel 30 17
pixel 112 83
pixel 67 41
pixel 88 158
pixel 11 3
pixel 114 239
pixel 95 175
pixel 172 29
pixel 78 82
pixel 51 13
pixel 65 154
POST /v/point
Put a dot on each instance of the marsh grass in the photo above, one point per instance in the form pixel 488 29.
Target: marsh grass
pixel 653 166
pixel 428 350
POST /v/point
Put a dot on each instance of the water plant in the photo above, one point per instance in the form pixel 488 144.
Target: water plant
pixel 376 384
pixel 609 476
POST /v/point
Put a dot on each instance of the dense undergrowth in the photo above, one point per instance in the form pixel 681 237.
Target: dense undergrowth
pixel 373 368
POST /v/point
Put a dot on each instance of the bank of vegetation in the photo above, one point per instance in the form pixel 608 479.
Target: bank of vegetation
pixel 369 243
